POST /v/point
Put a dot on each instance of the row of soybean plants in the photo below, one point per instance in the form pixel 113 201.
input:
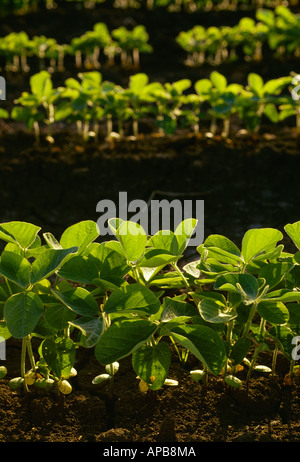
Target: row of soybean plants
pixel 24 6
pixel 88 50
pixel 275 32
pixel 117 298
pixel 89 102
pixel 278 30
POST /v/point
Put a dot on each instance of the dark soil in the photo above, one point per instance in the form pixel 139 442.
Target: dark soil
pixel 245 182
pixel 268 411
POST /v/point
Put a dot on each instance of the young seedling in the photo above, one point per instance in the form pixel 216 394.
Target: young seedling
pixel 132 43
pixel 221 97
pixel 16 47
pixel 80 103
pixel 90 46
pixel 37 106
pixel 260 98
pixel 169 98
pixel 138 95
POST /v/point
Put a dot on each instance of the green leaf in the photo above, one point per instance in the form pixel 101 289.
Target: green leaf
pixel 111 263
pixel 151 364
pixel 133 298
pixel 240 350
pixel 59 355
pixel 212 311
pixel 256 83
pixel 293 230
pixel 154 258
pixel 133 239
pixel 138 82
pixel 18 232
pixel 58 316
pixel 79 269
pixel 91 330
pixel 48 262
pixel 204 343
pixel 275 312
pixel 183 233
pixel 271 112
pixel 4 332
pixel 242 283
pixel 182 85
pixel 282 295
pixel 294 312
pixel 123 338
pixel 4 114
pixel 174 308
pixel 165 240
pixel 284 337
pixel 15 268
pixel 80 235
pixel 218 80
pixel 41 84
pixel 22 312
pixel 79 300
pixel 256 241
pixel 266 16
pixel 274 273
pixel 222 248
pixel 52 241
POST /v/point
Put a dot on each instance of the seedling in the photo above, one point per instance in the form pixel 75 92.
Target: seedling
pixel 37 106
pixel 259 99
pixel 90 45
pixel 168 102
pixel 132 43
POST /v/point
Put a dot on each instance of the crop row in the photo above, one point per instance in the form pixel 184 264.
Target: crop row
pixel 89 101
pixel 24 6
pixel 117 298
pixel 277 31
pixel 17 47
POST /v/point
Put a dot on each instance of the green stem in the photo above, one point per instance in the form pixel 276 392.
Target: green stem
pixel 8 287
pixel 229 340
pixel 256 352
pixel 180 356
pixel 136 274
pixel 181 275
pixel 274 359
pixel 292 364
pixel 248 323
pixel 36 128
pixel 30 353
pixel 23 358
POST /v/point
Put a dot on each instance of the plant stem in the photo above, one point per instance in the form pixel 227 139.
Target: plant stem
pixel 36 132
pixel 181 275
pixel 213 126
pixel 8 287
pixel 248 323
pixel 135 127
pixel 226 127
pixel 256 352
pixel 109 125
pixel 23 358
pixel 30 352
pixel 180 357
pixel 274 358
pixel 136 275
